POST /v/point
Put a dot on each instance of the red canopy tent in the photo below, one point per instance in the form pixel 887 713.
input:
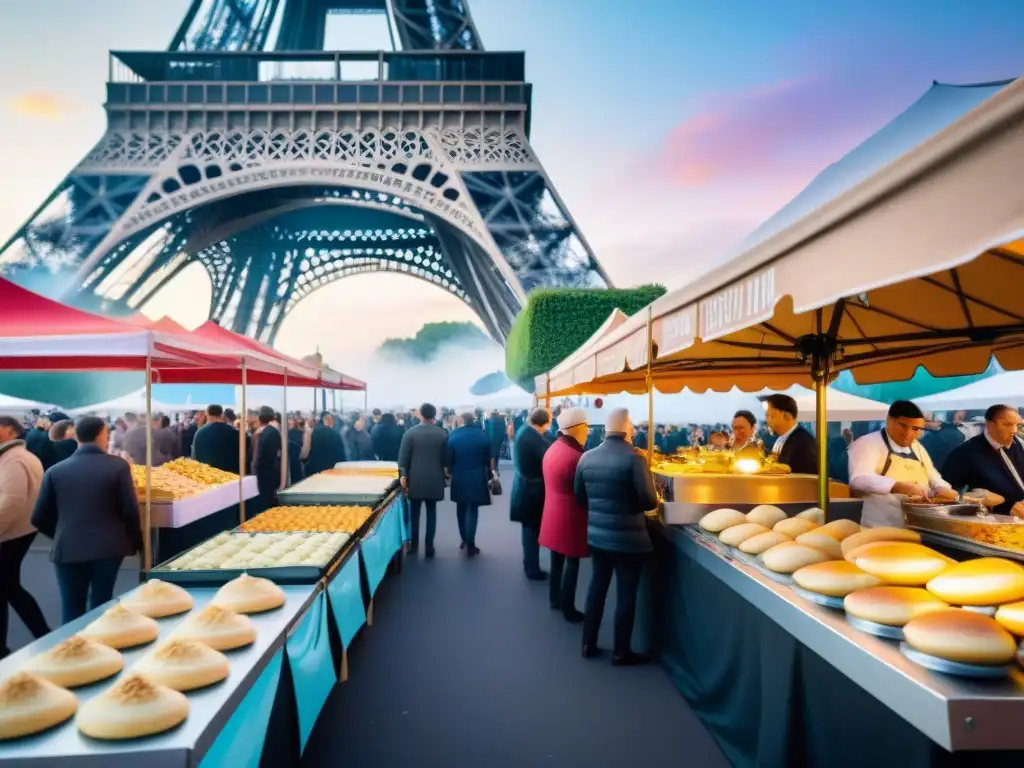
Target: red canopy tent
pixel 328 379
pixel 39 334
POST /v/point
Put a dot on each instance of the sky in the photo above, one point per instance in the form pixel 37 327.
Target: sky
pixel 670 128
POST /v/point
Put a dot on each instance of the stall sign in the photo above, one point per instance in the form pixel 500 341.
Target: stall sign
pixel 738 306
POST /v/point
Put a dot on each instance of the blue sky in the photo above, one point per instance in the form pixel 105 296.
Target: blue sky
pixel 670 127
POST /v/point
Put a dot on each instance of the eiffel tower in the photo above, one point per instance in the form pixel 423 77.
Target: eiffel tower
pixel 281 167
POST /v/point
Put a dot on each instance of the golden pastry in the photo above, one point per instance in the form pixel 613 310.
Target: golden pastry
pixel 869 535
pixel 183 665
pixel 963 636
pixel 762 542
pixel 76 661
pixel 157 598
pixel 30 704
pixel 133 707
pixel 737 534
pixel 218 628
pixel 790 557
pixel 794 526
pixel 249 594
pixel 900 563
pixel 766 515
pixel 984 581
pixel 893 606
pixel 120 627
pixel 720 519
pixel 836 578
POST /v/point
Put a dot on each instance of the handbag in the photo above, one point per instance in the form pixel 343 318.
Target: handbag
pixel 494 484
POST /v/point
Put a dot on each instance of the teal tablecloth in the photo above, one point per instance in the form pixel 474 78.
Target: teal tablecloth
pixel 240 744
pixel 346 597
pixel 378 549
pixel 312 665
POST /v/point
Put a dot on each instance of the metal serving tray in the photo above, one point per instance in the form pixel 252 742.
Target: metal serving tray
pixel 285 574
pixel 341 490
pixel 210 707
pixel 955 712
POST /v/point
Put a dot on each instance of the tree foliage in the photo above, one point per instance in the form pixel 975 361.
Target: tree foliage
pixel 554 323
pixel 431 339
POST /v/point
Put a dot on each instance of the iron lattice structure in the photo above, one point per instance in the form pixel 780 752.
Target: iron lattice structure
pixel 281 167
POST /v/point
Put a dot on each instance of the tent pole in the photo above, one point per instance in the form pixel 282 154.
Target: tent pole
pixel 242 440
pixel 547 392
pixel 366 400
pixel 284 433
pixel 821 373
pixel 147 530
pixel 649 377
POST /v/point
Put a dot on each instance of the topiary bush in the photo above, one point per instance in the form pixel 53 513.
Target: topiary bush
pixel 555 322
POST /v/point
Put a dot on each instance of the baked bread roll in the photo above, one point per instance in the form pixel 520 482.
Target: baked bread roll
pixel 249 594
pixel 868 535
pixel 1012 617
pixel 133 707
pixel 840 529
pixel 75 662
pixel 900 563
pixel 821 541
pixel 183 665
pixel 892 606
pixel 766 515
pixel 762 542
pixel 814 514
pixel 963 636
pixel 790 556
pixel 794 526
pixel 157 598
pixel 119 627
pixel 984 581
pixel 836 578
pixel 737 534
pixel 29 704
pixel 218 628
pixel 720 519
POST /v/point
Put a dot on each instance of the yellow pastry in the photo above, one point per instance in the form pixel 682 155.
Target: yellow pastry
pixel 869 535
pixel 217 627
pixel 963 636
pixel 249 594
pixel 120 627
pixel 893 606
pixel 737 534
pixel 183 665
pixel 157 598
pixel 900 563
pixel 836 578
pixel 790 557
pixel 984 581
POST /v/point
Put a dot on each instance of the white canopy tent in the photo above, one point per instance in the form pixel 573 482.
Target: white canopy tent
pixel 134 402
pixel 16 406
pixel 1003 388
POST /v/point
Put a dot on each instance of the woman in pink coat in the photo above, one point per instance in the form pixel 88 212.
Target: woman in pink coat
pixel 563 526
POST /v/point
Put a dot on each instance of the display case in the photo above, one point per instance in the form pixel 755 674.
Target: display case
pixel 339 489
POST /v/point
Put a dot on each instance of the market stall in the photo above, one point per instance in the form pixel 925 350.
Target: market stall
pixel 913 259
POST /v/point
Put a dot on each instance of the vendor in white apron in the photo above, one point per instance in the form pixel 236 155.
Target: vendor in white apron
pixel 888 466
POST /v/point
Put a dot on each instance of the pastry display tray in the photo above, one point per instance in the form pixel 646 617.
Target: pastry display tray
pixel 342 490
pixel 210 708
pixel 935 704
pixel 285 574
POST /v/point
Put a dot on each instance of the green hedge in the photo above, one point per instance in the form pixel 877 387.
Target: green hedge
pixel 555 322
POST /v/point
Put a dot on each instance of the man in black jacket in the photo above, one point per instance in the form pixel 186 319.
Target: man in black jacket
pixel 993 460
pixel 616 487
pixel 88 506
pixel 216 442
pixel 795 447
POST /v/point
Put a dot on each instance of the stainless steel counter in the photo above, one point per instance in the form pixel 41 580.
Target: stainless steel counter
pixel 182 747
pixel 956 713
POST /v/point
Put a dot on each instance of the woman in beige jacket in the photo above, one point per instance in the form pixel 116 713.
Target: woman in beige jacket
pixel 21 474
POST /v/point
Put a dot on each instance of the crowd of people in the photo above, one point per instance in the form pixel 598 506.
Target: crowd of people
pixel 578 490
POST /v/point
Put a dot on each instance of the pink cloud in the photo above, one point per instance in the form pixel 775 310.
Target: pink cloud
pixel 785 128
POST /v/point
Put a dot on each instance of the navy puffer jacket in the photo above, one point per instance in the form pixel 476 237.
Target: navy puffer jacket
pixel 615 486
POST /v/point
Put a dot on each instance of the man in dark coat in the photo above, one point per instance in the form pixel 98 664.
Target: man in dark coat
pixel 216 442
pixel 496 428
pixel 940 440
pixel 615 485
pixel 87 504
pixel 358 444
pixel 386 436
pixel 471 467
pixel 266 460
pixel 421 466
pixel 795 446
pixel 526 504
pixel 39 444
pixel 326 448
pixel 993 461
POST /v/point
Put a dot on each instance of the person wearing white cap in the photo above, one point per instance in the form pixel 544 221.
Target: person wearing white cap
pixel 563 526
pixel 615 485
pixel 526 504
